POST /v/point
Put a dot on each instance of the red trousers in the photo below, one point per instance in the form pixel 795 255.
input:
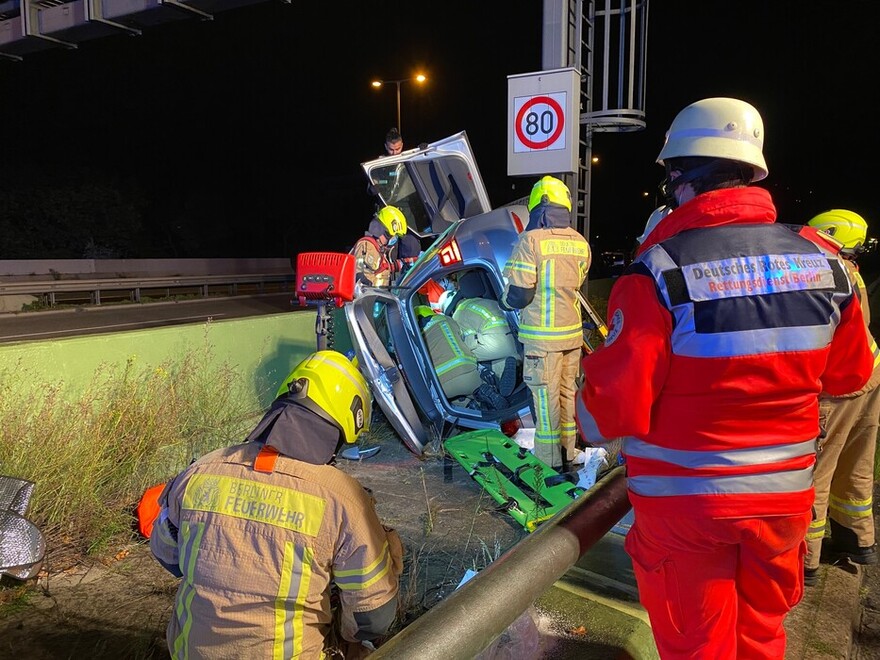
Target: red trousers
pixel 718 588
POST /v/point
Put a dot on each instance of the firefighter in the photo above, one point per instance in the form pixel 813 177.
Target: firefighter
pixel 844 476
pixel 387 250
pixel 265 531
pixel 723 332
pixel 547 267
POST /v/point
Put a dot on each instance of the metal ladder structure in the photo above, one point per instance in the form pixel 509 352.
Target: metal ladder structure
pixel 606 40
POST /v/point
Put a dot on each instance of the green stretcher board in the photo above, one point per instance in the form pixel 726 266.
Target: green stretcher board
pixel 513 476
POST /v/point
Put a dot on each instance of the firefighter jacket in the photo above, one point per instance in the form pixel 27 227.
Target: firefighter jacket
pixel 544 273
pixel 259 551
pixel 723 331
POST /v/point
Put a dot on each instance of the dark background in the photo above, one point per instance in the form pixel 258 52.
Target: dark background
pixel 243 136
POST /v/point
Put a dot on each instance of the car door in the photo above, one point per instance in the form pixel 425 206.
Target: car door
pixel 387 360
pixel 434 185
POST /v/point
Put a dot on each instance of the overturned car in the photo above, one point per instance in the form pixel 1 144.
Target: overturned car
pixel 440 353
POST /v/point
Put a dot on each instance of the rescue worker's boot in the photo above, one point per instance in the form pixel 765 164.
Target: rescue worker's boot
pixel 508 377
pixel 845 543
pixel 811 576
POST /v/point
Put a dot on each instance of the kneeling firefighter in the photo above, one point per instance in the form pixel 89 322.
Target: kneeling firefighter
pixel 262 532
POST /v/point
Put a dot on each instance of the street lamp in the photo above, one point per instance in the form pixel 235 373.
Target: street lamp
pixel 420 78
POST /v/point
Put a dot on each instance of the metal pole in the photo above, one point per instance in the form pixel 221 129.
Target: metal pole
pixel 470 618
pixel 399 130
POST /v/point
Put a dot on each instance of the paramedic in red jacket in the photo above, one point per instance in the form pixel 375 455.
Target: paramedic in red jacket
pixel 723 332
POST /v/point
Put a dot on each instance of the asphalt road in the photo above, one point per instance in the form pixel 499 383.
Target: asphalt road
pixel 90 320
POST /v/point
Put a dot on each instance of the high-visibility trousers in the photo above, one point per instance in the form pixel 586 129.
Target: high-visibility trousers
pixel 844 474
pixel 551 378
pixel 718 588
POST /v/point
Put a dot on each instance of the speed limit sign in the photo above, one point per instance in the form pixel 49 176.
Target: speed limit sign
pixel 543 122
pixel 540 122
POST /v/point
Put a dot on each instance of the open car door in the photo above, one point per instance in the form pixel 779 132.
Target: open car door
pixel 374 324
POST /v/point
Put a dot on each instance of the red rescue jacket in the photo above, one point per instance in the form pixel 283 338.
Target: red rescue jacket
pixel 723 332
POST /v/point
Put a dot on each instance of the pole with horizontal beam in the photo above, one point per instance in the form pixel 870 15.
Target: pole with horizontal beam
pixel 474 615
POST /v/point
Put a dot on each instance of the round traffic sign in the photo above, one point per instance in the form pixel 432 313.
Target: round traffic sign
pixel 539 122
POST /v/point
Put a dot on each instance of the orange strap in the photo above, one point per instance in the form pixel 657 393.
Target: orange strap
pixel 148 509
pixel 265 461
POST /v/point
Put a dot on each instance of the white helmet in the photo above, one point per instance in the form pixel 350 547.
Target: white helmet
pixel 653 220
pixel 718 128
pixel 445 300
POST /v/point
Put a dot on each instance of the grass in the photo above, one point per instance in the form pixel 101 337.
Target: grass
pixel 91 457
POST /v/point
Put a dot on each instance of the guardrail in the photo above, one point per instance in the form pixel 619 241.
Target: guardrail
pixel 467 621
pixel 48 290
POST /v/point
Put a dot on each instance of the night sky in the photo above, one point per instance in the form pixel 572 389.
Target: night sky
pixel 243 136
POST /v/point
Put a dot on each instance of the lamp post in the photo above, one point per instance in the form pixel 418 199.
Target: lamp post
pixel 420 78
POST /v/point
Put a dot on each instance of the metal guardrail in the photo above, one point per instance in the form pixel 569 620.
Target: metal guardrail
pixel 470 618
pixel 48 289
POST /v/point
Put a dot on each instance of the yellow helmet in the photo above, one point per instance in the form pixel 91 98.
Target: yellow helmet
pixel 393 220
pixel 847 227
pixel 718 128
pixel 555 191
pixel 328 384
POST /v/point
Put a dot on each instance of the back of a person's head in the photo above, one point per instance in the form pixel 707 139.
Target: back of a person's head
pixel 393 135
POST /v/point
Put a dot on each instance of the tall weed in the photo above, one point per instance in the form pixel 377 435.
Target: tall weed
pixel 133 426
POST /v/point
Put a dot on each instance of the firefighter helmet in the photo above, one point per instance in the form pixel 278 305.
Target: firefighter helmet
pixel 552 190
pixel 847 227
pixel 393 220
pixel 653 220
pixel 328 384
pixel 718 128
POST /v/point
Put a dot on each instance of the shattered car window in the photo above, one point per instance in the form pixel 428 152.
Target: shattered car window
pixel 395 186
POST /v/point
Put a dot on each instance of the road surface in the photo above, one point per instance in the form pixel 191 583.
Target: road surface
pixel 90 320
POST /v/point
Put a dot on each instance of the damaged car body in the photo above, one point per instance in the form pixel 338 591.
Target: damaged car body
pixel 440 353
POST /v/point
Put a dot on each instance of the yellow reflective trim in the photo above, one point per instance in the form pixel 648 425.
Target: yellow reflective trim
pixel 564 246
pixel 284 648
pixel 184 603
pixel 305 580
pixel 257 501
pixel 366 569
pixel 851 508
pixel 281 600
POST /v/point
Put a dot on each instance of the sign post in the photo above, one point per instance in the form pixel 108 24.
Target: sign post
pixel 543 122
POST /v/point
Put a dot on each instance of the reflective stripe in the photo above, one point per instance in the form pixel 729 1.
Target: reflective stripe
pixel 687 341
pixel 521 267
pixel 740 136
pixel 816 530
pixel 790 481
pixel 732 457
pixel 293 590
pixel 568 429
pixel 548 295
pixel 544 434
pixel 363 578
pixel 543 334
pixel 190 553
pixel 851 508
pixel 875 350
pixel 565 247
